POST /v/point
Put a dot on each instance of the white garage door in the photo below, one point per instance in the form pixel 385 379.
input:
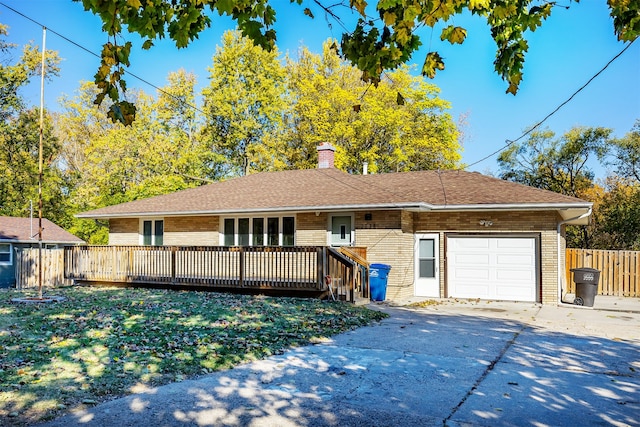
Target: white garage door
pixel 499 268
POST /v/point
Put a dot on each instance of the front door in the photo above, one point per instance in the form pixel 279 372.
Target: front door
pixel 341 231
pixel 427 266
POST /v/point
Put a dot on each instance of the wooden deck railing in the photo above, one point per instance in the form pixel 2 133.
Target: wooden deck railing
pixel 619 270
pixel 300 268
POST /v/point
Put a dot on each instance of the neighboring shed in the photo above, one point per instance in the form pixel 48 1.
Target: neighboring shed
pixel 445 233
pixel 20 233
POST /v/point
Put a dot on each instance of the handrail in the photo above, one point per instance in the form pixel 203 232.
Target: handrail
pixel 345 250
pixel 340 256
pixel 362 279
pixel 341 278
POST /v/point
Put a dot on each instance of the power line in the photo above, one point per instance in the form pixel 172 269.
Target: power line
pixel 511 142
pixel 508 142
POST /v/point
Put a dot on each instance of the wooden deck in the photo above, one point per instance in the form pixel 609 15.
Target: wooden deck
pixel 302 270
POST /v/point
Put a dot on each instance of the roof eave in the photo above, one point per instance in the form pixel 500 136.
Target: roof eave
pixel 317 208
pixel 569 208
pixel 513 207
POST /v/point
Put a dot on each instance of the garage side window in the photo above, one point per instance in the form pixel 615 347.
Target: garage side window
pixel 5 253
pixel 427 258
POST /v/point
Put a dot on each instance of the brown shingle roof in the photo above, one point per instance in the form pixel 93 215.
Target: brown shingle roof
pixel 22 229
pixel 322 189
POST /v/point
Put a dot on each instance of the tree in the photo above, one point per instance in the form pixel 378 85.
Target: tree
pixel 15 76
pixel 401 126
pixel 626 154
pixel 560 165
pixel 615 223
pixel 19 141
pixel 179 128
pixel 383 38
pixel 244 102
pixel 110 163
pixel 20 134
pixel 322 94
pixel 330 103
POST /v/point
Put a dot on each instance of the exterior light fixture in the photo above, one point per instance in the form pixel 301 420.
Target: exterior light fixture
pixel 486 222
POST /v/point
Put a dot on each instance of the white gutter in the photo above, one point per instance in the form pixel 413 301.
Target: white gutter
pixel 561 276
pixel 319 208
pixel 417 207
pixel 510 206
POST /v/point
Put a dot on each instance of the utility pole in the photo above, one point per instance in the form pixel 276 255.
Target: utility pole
pixel 40 167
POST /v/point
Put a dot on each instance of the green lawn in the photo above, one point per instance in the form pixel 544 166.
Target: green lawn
pixel 101 342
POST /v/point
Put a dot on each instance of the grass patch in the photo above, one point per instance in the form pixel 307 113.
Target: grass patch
pixel 100 342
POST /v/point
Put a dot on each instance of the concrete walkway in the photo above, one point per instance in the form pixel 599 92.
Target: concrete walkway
pixel 455 363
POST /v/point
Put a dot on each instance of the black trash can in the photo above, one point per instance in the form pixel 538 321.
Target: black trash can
pixel 378 274
pixel 586 280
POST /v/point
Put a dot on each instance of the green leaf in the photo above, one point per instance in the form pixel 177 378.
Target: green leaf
pixel 432 62
pixel 504 11
pixel 479 4
pixel 225 6
pixel 453 34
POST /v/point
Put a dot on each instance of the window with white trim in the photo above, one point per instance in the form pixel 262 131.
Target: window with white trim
pixel 259 231
pixel 6 254
pixel 152 232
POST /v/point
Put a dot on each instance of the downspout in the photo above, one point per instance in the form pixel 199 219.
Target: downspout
pixel 561 276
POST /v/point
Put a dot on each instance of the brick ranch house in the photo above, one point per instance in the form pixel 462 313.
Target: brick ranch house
pixel 444 233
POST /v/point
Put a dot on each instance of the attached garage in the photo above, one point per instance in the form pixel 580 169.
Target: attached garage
pixel 493 267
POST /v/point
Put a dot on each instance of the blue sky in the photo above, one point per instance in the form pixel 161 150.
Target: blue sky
pixel 564 54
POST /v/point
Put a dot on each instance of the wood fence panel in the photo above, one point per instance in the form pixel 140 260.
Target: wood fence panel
pixel 52 268
pixel 619 270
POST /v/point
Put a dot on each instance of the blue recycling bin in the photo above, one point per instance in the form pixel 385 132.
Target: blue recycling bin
pixel 378 274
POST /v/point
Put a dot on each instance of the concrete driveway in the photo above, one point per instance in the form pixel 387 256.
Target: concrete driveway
pixel 451 364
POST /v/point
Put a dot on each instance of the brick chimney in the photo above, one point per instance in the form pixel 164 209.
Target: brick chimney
pixel 326 153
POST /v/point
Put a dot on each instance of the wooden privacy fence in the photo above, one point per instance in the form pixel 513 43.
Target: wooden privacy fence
pixel 26 266
pixel 619 270
pixel 294 269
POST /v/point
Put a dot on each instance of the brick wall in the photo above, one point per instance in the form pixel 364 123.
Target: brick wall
pixel 388 237
pixel 311 229
pixel 124 231
pixel 192 231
